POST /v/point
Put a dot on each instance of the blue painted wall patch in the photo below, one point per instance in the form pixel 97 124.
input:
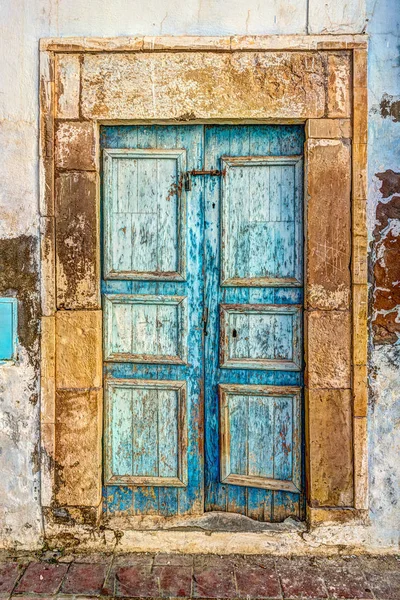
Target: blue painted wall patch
pixel 8 328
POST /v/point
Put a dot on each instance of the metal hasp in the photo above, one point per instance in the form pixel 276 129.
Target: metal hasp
pixel 194 173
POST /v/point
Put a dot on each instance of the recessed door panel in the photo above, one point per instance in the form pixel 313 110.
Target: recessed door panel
pixel 261 221
pixel 261 336
pixel 259 439
pixel 145 208
pixel 145 328
pixel 146 433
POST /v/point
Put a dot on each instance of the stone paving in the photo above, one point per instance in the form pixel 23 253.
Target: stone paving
pixel 198 576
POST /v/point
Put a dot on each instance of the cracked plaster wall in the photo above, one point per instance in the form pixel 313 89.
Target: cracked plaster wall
pixel 23 23
pixel 384 232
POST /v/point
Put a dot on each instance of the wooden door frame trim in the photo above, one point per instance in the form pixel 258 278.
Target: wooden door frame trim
pixel 65 127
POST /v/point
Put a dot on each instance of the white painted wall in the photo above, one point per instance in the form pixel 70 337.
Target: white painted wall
pixel 22 24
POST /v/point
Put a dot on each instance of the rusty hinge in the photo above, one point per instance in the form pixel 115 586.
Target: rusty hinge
pixel 194 173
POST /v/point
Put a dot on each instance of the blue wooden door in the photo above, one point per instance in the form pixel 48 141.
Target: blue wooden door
pixel 202 295
pixel 253 297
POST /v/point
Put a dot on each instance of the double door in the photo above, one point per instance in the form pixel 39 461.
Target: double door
pixel 202 303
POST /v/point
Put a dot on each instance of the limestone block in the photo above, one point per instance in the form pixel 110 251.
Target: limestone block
pixel 328 243
pixel 199 85
pixel 47 457
pixel 360 327
pixel 328 128
pixel 360 68
pixel 330 447
pixel 78 447
pixel 360 185
pixel 47 370
pixel 360 259
pixel 360 390
pixel 328 349
pixel 78 349
pixel 359 221
pixel 77 241
pixel 339 85
pixel 47 265
pixel 67 82
pixel 360 113
pixel 75 145
pixel 361 462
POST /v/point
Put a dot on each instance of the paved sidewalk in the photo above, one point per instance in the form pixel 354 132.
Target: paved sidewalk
pixel 171 576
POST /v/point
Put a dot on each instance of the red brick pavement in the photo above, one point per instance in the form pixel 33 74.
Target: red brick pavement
pixel 185 576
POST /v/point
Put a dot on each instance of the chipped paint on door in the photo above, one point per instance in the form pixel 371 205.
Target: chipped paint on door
pixel 202 299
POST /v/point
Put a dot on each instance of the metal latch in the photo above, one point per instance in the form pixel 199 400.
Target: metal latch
pixel 194 173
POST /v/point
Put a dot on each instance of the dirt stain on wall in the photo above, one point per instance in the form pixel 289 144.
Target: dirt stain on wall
pixel 390 107
pixel 19 279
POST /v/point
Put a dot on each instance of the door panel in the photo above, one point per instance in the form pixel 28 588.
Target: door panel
pixel 260 336
pixel 145 214
pixel 145 328
pixel 261 221
pixel 202 296
pixel 146 433
pixel 153 308
pixel 260 431
pixel 250 217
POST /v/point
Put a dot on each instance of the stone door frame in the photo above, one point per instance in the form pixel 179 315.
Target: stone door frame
pixel 316 80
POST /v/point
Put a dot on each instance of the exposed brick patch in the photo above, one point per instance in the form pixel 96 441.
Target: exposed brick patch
pixel 386 264
pixel 42 578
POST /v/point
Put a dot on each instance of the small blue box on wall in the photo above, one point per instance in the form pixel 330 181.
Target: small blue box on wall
pixel 8 328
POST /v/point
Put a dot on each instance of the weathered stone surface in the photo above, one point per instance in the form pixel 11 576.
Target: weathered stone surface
pixel 360 462
pixel 359 214
pixel 77 241
pixel 360 171
pixel 47 443
pixel 75 145
pixel 339 85
pixel 67 82
pixel 360 390
pixel 360 66
pixel 328 349
pixel 360 259
pixel 360 113
pixel 47 369
pixel 78 447
pixel 78 349
pixel 328 244
pixel 328 128
pixel 196 85
pixel 47 265
pixel 330 445
pixel 46 134
pixel 360 328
